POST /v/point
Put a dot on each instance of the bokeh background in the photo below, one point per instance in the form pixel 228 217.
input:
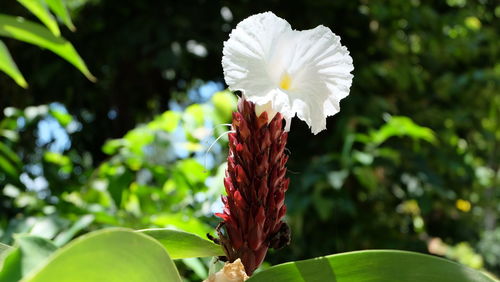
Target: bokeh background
pixel 411 162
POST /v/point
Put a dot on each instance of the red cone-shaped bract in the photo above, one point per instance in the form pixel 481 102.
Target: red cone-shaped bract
pixel 255 184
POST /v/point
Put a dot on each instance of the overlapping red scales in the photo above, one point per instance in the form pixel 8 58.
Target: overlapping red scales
pixel 255 185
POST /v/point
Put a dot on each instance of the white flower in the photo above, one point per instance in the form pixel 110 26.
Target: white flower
pixel 304 73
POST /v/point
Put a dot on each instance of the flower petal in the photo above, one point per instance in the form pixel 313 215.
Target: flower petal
pixel 303 73
pixel 246 53
pixel 321 67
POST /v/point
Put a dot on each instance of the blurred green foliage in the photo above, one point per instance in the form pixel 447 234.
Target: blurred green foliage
pixel 412 157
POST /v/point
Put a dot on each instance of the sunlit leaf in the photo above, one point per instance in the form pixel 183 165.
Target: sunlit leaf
pixel 193 171
pixel 33 33
pixel 29 253
pixel 57 158
pixel 8 66
pixel 402 126
pixel 67 235
pixel 109 255
pixel 181 221
pixel 197 266
pixel 194 117
pixel 3 249
pixel 11 155
pixel 138 138
pixel 380 265
pixel 181 244
pixel 224 103
pixel 8 168
pixel 48 227
pixel 111 146
pixel 168 121
pixel 38 8
pixel 58 7
pixel 62 117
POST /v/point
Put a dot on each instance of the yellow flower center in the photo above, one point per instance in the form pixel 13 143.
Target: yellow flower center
pixel 286 81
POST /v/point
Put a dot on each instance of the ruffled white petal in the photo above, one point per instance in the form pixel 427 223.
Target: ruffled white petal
pixel 303 73
pixel 246 53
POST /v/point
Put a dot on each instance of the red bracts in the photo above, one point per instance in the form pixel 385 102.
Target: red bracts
pixel 255 184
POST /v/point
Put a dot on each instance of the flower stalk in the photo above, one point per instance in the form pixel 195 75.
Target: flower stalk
pixel 281 73
pixel 255 183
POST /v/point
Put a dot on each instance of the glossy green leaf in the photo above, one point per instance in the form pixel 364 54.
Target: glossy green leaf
pixel 181 244
pixel 29 253
pixel 8 66
pixel 33 33
pixel 181 221
pixel 58 7
pixel 38 8
pixel 109 255
pixel 376 265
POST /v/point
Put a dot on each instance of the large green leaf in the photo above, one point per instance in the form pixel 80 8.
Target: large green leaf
pixel 109 255
pixel 36 34
pixel 379 265
pixel 181 244
pixel 38 8
pixel 57 6
pixel 8 66
pixel 29 253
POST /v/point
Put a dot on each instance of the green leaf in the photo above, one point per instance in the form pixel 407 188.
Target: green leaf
pixel 181 244
pixel 224 103
pixel 61 116
pixel 168 121
pixel 56 158
pixel 181 221
pixel 58 7
pixel 111 146
pixel 8 66
pixel 33 33
pixel 8 168
pixel 402 126
pixel 3 250
pixel 197 266
pixel 38 8
pixel 109 255
pixel 11 155
pixel 80 224
pixel 376 265
pixel 30 252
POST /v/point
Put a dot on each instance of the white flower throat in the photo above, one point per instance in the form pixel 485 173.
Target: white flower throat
pixel 286 81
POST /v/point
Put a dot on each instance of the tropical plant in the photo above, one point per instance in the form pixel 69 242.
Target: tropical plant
pixel 147 255
pixel 417 145
pixel 47 37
